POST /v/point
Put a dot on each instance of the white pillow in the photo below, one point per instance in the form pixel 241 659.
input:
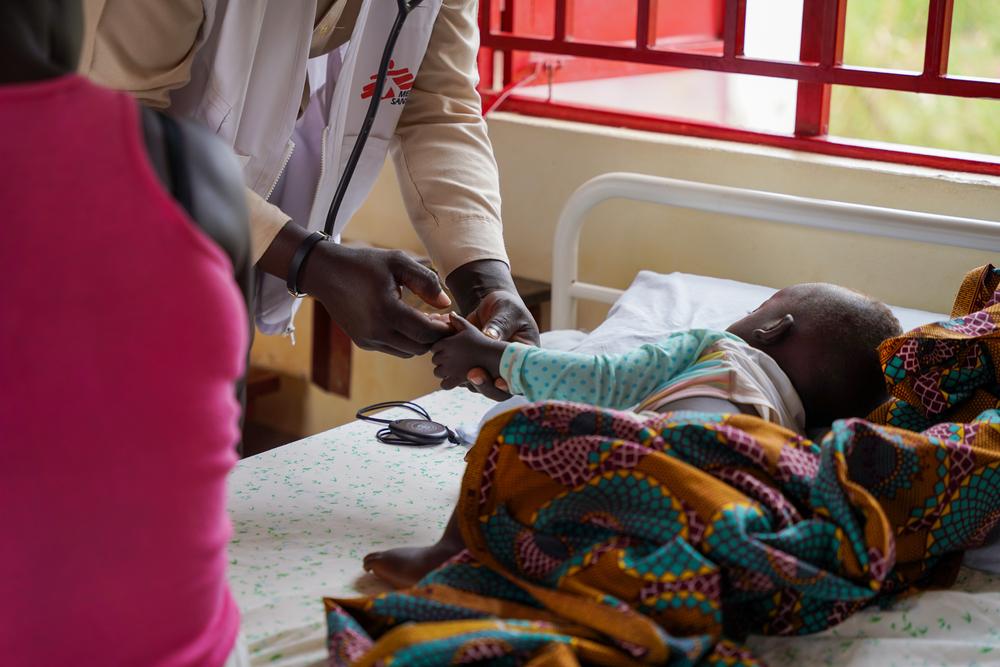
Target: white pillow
pixel 656 304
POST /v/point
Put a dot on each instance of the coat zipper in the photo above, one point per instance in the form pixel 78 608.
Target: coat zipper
pixel 289 149
pixel 322 168
pixel 284 163
pixel 290 329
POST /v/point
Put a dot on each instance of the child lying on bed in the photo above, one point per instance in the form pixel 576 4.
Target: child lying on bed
pixel 803 359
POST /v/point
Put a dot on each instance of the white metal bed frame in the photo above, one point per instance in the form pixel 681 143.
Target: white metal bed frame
pixel 567 289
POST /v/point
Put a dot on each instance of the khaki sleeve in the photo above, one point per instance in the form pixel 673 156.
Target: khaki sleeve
pixel 444 160
pixel 143 47
pixel 266 220
pixel 146 47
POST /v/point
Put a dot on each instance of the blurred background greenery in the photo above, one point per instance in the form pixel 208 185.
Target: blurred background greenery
pixel 890 34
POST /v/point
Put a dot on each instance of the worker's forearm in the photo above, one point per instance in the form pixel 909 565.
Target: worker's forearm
pixel 469 283
pixel 278 255
pixel 473 281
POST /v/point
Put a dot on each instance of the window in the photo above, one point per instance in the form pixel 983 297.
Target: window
pixel 913 81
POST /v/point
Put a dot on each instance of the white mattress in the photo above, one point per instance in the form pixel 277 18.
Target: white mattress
pixel 953 628
pixel 306 514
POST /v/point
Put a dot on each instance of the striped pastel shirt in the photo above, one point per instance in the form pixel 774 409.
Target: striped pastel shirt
pixel 687 364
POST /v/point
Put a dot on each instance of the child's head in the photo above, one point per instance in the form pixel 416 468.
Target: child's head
pixel 825 337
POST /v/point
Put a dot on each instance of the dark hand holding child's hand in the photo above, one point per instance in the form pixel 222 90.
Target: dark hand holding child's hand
pixel 501 315
pixel 468 348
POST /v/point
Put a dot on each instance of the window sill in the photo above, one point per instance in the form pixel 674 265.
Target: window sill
pixel 743 148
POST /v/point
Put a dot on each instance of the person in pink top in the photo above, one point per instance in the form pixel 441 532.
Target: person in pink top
pixel 123 333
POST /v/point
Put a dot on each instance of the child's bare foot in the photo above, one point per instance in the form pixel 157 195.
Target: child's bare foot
pixel 405 566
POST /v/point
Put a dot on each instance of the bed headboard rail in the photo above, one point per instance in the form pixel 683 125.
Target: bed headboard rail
pixel 755 204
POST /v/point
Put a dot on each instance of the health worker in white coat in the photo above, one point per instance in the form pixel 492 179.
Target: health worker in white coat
pixel 287 83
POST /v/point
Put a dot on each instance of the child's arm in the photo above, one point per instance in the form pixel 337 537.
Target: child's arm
pixel 610 381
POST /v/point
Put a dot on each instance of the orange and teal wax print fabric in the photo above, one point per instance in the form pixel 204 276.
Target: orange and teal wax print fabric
pixel 609 538
pixel 947 372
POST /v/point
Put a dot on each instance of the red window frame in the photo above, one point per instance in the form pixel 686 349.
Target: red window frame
pixel 820 66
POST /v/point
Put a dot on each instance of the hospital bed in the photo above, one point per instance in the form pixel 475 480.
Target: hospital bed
pixel 305 515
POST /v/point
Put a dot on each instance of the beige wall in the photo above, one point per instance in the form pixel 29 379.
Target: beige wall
pixel 542 162
pixel 302 409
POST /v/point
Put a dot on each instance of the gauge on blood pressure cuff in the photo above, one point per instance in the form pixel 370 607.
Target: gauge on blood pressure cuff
pixel 420 429
pixel 418 432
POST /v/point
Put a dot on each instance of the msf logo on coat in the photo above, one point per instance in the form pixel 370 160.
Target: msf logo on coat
pixel 399 81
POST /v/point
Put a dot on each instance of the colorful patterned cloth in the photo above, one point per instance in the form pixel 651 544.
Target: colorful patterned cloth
pixel 602 537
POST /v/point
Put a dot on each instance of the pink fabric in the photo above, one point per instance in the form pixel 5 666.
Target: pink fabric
pixel 120 339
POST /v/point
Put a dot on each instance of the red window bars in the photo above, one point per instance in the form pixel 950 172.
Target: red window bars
pixel 819 67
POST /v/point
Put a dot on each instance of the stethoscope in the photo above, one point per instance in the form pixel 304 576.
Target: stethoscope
pixel 404 7
pixel 302 252
pixel 411 432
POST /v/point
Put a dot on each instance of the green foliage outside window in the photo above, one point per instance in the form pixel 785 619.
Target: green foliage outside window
pixel 890 34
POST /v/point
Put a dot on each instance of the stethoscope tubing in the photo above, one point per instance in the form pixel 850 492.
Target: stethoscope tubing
pixel 386 435
pixel 405 7
pixel 362 414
